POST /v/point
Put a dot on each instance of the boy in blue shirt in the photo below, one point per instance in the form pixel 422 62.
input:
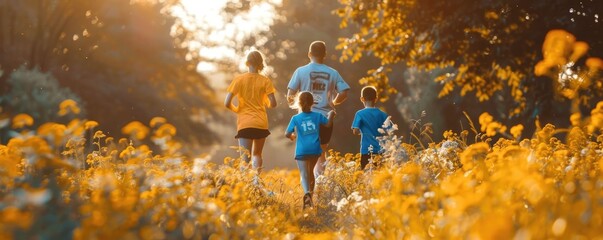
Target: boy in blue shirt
pixel 367 123
pixel 305 126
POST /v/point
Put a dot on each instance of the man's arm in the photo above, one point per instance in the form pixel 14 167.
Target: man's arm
pixel 341 97
pixel 291 96
pixel 356 131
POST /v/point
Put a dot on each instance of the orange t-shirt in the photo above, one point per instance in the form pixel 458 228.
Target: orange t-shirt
pixel 252 91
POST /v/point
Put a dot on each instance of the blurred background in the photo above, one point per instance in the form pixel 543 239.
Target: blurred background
pixel 134 60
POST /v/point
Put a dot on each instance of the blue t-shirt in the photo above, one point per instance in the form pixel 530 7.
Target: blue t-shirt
pixel 369 120
pixel 307 126
pixel 322 81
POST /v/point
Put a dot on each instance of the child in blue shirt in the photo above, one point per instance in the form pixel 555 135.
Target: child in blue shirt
pixel 367 123
pixel 305 126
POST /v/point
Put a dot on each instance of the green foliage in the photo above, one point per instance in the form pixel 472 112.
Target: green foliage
pixel 37 94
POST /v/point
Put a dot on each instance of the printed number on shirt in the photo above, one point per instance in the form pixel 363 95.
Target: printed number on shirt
pixel 319 81
pixel 308 127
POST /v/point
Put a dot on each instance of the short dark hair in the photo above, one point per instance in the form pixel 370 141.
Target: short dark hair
pixel 318 49
pixel 369 93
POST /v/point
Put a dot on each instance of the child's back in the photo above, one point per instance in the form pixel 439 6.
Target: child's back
pixel 306 124
pixel 368 121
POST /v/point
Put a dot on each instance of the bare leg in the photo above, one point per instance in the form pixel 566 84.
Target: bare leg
pixel 306 174
pixel 245 148
pixel 311 177
pixel 322 161
pixel 256 157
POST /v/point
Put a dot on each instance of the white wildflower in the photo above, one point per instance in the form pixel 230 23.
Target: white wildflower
pixel 289 236
pixel 212 207
pixel 350 164
pixel 341 204
pixel 199 164
pixel 321 179
pixel 428 194
pixel 355 196
pixel 584 152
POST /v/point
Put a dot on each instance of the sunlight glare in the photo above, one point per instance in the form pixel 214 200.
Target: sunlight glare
pixel 217 38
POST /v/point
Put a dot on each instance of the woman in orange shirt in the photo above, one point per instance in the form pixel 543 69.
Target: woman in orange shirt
pixel 255 92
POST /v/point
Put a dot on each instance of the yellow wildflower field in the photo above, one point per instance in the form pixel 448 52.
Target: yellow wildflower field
pixel 73 181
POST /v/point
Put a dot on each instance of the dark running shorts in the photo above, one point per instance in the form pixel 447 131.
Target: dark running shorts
pixel 325 134
pixel 252 133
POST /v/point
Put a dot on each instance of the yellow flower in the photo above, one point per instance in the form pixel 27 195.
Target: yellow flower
pixel 136 129
pixel 493 128
pixel 484 119
pixel 448 134
pixel 22 120
pixel 594 64
pixel 558 44
pixel 99 134
pixel 575 119
pixel 54 131
pixel 68 106
pixel 90 124
pixel 156 121
pixel 491 15
pixel 516 131
pixel 580 48
pixel 165 130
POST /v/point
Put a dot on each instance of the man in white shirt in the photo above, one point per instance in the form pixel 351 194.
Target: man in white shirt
pixel 326 85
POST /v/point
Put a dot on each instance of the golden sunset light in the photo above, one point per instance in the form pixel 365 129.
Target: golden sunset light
pixel 301 119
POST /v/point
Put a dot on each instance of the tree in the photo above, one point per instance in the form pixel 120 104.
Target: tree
pixel 127 60
pixel 491 47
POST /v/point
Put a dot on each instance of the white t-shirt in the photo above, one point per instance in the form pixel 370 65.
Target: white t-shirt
pixel 322 81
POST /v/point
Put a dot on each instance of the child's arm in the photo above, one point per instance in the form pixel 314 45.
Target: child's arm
pixel 290 135
pixel 290 131
pixel 356 124
pixel 330 117
pixel 228 103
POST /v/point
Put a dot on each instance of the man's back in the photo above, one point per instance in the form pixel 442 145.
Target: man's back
pixel 322 81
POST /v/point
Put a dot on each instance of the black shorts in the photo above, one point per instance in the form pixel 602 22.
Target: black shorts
pixel 252 133
pixel 325 134
pixel 364 160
